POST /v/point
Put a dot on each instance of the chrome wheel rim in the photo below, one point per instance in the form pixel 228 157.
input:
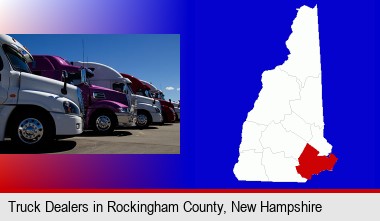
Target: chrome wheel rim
pixel 142 120
pixel 30 131
pixel 103 123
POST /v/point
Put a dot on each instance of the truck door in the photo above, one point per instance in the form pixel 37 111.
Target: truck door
pixel 3 83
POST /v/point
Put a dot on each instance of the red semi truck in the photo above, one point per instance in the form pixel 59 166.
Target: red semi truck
pixel 140 88
pixel 158 94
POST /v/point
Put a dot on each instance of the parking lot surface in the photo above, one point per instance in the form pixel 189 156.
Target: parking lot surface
pixel 163 139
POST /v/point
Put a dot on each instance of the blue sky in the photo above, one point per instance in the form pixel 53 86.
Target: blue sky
pixel 154 58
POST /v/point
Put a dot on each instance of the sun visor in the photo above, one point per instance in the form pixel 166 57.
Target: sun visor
pixel 24 52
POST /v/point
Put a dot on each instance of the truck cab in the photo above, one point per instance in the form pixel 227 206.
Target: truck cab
pixel 143 90
pixel 34 109
pixel 105 109
pixel 148 109
pixel 158 94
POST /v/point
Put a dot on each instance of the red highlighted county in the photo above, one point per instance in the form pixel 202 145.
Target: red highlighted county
pixel 312 164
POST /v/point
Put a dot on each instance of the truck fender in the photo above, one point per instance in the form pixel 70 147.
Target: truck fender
pixel 5 112
pixel 147 107
pixel 108 105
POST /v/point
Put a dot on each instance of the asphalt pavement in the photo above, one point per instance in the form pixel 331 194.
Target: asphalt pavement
pixel 157 139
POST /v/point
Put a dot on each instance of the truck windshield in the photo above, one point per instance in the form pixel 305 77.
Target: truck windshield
pixel 148 94
pixel 162 96
pixel 129 88
pixel 17 61
pixel 159 95
pixel 75 78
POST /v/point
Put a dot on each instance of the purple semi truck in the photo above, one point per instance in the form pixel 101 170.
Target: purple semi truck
pixel 104 108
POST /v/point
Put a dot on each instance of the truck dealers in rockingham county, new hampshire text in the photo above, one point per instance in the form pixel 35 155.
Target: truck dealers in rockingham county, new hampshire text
pixel 151 208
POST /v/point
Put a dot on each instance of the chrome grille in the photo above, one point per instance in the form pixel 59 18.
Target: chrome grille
pixel 80 100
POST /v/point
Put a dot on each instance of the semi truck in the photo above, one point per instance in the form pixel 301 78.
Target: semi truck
pixel 33 109
pixel 148 110
pixel 158 94
pixel 144 90
pixel 105 109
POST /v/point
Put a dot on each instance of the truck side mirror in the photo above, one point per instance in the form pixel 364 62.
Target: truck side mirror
pixel 65 75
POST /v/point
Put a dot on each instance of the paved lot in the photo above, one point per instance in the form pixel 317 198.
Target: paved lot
pixel 163 139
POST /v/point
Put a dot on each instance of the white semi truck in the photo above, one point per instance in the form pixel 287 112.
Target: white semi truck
pixel 148 109
pixel 34 109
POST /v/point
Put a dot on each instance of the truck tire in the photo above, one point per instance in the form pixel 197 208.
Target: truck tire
pixel 143 119
pixel 31 129
pixel 165 119
pixel 104 123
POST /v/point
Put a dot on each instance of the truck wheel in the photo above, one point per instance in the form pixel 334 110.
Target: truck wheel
pixel 104 123
pixel 143 119
pixel 31 129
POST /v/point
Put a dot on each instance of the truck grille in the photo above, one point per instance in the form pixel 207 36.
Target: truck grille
pixel 80 100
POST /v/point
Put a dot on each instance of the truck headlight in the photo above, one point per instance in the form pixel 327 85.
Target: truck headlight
pixel 124 110
pixel 70 108
pixel 157 109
